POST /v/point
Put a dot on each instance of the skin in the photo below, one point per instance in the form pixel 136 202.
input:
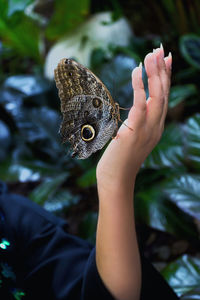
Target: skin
pixel 117 255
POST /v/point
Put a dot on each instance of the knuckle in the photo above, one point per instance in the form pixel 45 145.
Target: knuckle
pixel 138 84
pixel 155 137
pixel 142 106
pixel 162 67
pixel 161 97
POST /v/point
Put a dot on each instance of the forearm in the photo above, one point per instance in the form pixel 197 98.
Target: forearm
pixel 117 254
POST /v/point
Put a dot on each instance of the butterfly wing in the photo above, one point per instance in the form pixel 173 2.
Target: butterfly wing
pixel 84 101
pixel 74 79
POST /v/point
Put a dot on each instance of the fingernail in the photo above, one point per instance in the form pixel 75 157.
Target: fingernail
pixel 140 65
pixel 170 56
pixel 162 50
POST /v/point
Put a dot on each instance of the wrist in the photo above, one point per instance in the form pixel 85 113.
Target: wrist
pixel 115 187
pixel 117 178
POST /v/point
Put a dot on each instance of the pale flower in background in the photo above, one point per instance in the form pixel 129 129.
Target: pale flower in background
pixel 98 32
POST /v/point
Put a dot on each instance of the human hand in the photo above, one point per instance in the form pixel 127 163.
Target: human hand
pixel 125 154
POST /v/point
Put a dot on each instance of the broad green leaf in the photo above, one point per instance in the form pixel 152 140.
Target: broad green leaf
pixel 27 85
pixel 169 151
pixel 170 7
pixel 192 142
pixel 154 209
pixel 98 57
pixel 192 295
pixel 12 169
pixel 5 140
pixel 183 275
pixel 148 177
pixel 68 15
pixel 88 227
pixel 41 123
pixel 190 49
pixel 184 191
pixel 17 5
pixel 3 8
pixel 179 93
pixel 48 188
pixel 185 75
pixel 88 178
pixel 17 172
pixel 39 128
pixel 21 34
pixel 61 201
pixel 116 75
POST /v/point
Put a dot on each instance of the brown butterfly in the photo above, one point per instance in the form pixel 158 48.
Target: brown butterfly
pixel 90 116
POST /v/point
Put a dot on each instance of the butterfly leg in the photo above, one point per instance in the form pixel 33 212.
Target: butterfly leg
pixel 115 137
pixel 118 115
pixel 126 125
pixel 115 134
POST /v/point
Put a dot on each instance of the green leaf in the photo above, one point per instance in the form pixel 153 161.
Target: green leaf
pixel 192 295
pixel 5 140
pixel 116 75
pixel 27 85
pixel 148 177
pixel 88 227
pixel 21 34
pixel 61 201
pixel 16 172
pixel 185 193
pixel 169 151
pixel 12 169
pixel 190 49
pixel 153 208
pixel 47 189
pixel 17 5
pixel 68 15
pixel 98 57
pixel 180 93
pixel 39 128
pixel 3 8
pixel 185 75
pixel 88 178
pixel 192 142
pixel 183 275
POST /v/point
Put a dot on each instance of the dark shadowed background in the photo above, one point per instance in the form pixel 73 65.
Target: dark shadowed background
pixel 111 38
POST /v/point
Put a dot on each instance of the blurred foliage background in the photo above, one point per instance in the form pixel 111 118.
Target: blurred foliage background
pixel 110 37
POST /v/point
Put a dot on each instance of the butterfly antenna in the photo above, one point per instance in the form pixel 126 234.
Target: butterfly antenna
pixel 128 108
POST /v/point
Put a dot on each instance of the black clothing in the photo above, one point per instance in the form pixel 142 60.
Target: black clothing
pixel 40 260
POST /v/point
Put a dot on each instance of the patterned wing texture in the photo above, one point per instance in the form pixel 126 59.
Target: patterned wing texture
pixel 73 79
pixel 85 101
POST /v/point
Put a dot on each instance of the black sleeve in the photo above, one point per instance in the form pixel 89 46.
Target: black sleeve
pixel 154 286
pixel 93 286
pixel 49 263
